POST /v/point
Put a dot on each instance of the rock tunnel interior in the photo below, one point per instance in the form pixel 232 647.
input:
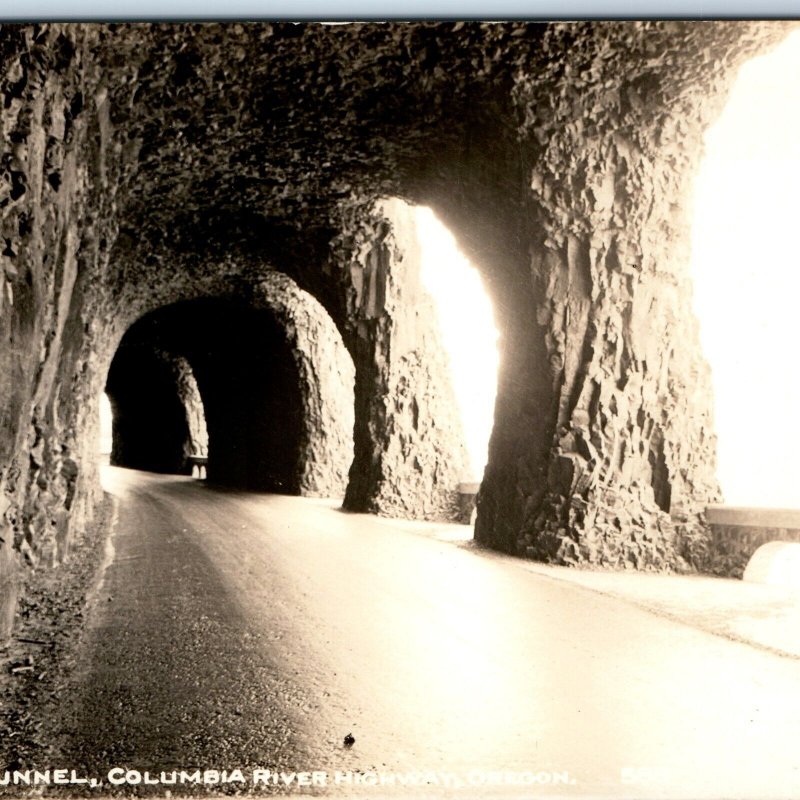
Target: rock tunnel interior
pixel 202 179
pixel 254 389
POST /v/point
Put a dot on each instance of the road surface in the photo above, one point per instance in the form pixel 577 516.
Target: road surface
pixel 247 631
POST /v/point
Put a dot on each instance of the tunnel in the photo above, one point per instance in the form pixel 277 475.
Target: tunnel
pixel 247 380
pixel 227 379
pixel 171 204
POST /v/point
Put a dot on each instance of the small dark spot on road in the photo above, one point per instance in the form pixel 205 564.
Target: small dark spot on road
pixel 349 740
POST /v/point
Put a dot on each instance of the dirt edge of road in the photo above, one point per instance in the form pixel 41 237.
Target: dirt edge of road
pixel 39 657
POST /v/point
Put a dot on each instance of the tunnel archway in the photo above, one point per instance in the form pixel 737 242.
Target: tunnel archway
pixel 248 383
pixel 275 384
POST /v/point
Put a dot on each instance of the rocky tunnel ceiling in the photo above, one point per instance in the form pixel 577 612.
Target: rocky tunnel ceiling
pixel 245 123
pixel 147 164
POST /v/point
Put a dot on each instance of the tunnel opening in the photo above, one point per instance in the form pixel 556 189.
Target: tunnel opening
pixel 411 456
pixel 150 429
pixel 469 335
pixel 246 378
pixel 245 385
pixel 105 429
pixel 252 394
pixel 743 241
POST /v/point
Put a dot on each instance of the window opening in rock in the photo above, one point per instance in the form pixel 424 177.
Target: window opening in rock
pixel 468 331
pixel 746 281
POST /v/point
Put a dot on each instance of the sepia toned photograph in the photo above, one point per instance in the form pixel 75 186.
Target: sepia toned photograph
pixel 401 409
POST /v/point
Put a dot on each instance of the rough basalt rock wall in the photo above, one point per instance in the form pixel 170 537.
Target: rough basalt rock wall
pixel 614 130
pixel 409 446
pixel 56 196
pixel 326 375
pixel 189 395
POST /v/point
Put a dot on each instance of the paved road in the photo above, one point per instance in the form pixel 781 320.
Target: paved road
pixel 236 630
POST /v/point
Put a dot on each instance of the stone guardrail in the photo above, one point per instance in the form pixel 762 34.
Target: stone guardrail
pixel 199 465
pixel 737 532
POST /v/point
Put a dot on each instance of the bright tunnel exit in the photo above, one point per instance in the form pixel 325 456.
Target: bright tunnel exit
pixel 747 281
pixel 468 331
pixel 106 431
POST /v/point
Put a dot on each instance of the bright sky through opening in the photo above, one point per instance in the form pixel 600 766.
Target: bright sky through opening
pixel 747 280
pixel 106 423
pixel 468 330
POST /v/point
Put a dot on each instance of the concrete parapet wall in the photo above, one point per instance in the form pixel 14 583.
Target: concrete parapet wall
pixel 737 532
